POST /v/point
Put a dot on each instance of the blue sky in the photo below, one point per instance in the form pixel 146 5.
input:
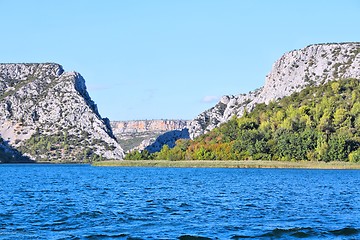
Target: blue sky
pixel 169 59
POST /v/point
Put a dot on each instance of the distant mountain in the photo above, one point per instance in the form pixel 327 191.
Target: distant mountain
pixel 46 114
pixel 148 134
pixel 312 65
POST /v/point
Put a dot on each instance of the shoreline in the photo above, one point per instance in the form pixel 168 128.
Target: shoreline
pixel 227 164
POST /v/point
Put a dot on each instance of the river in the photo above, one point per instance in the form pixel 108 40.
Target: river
pixel 85 202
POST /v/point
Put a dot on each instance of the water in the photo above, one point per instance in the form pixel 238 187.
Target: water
pixel 84 202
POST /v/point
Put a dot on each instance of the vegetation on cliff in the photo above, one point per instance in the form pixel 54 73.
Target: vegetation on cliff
pixel 320 123
pixel 11 155
pixel 294 71
pixel 62 145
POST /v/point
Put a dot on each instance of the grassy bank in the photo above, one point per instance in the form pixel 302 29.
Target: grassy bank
pixel 228 164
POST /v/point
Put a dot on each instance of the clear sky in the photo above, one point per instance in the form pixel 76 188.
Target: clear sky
pixel 169 59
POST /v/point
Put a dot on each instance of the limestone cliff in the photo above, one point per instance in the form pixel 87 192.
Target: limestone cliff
pixel 47 114
pixel 142 134
pixel 315 64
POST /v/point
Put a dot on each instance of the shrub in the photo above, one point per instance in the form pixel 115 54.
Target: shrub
pixel 355 156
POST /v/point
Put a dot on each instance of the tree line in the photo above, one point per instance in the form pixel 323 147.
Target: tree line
pixel 320 123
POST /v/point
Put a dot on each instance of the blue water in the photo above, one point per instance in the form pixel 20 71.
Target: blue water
pixel 84 202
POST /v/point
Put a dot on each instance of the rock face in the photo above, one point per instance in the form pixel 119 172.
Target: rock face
pixel 140 126
pixel 142 134
pixel 315 64
pixel 47 114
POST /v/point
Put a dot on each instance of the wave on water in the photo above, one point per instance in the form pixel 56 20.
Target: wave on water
pixel 190 237
pixel 128 237
pixel 110 236
pixel 304 232
pixel 90 214
pixel 297 232
pixel 347 231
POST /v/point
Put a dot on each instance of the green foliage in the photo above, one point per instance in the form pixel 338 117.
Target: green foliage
pixel 75 147
pixel 354 156
pixel 137 155
pixel 178 152
pixel 320 123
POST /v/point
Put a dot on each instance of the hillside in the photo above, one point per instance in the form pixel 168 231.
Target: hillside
pixel 141 134
pixel 295 70
pixel 320 123
pixel 46 114
pixel 11 155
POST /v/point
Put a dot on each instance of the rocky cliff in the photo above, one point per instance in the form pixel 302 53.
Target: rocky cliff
pixel 315 64
pixel 47 114
pixel 142 134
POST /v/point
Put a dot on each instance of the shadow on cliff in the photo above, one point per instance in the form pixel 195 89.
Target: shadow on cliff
pixel 168 138
pixel 8 154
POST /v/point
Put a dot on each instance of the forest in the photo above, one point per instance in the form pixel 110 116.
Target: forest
pixel 319 123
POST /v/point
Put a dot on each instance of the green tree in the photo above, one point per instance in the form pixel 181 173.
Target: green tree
pixel 335 86
pixel 164 153
pixel 133 155
pixel 355 156
pixel 339 116
pixel 318 123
